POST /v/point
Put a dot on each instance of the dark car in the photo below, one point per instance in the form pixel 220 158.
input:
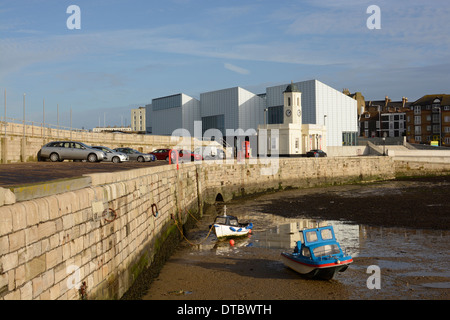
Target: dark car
pixel 161 154
pixel 316 153
pixel 186 155
pixel 135 155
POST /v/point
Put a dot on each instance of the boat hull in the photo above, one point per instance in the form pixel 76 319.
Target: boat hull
pixel 226 231
pixel 323 271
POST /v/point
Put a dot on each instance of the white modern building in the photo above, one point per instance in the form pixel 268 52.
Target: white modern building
pixel 167 114
pixel 321 105
pixel 232 109
pixel 236 108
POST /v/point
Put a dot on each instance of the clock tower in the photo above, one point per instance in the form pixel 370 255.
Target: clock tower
pixel 292 105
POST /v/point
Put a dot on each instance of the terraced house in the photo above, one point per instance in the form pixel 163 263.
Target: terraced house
pixel 428 120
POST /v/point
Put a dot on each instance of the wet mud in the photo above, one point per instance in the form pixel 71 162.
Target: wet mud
pixel 402 227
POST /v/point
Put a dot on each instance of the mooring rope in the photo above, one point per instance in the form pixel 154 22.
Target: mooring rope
pixel 182 233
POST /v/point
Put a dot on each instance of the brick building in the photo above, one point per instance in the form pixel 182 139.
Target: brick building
pixel 428 119
pixel 384 118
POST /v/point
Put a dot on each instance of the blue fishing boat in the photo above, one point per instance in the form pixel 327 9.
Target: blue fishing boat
pixel 317 255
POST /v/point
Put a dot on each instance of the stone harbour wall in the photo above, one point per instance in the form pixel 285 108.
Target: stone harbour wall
pixel 94 242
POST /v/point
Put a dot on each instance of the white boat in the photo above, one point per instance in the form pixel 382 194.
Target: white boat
pixel 229 226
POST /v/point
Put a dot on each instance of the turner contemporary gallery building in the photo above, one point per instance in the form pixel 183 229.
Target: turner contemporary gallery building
pixel 325 111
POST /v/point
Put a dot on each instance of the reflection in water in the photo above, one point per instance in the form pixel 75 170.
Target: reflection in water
pixel 285 236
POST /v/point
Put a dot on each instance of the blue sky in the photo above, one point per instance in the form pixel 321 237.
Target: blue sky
pixel 129 52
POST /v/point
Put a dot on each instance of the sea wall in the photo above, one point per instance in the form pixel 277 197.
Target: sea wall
pixel 94 242
pixel 19 143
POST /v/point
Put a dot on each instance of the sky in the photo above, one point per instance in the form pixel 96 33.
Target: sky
pixel 127 53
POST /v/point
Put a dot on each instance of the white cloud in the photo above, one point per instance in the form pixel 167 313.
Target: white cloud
pixel 236 69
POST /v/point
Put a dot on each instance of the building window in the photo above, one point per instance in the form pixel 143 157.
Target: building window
pixel 289 102
pixel 349 138
pixel 418 120
pixel 418 138
pixel 275 115
pixel 428 128
pixel 446 119
pixel 418 130
pixel 436 128
pixel 214 122
pixel 417 110
pixel 447 129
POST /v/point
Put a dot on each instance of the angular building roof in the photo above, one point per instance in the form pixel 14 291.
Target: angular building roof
pixel 428 99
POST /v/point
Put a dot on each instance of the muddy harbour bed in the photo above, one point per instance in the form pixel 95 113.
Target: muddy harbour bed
pixel 401 227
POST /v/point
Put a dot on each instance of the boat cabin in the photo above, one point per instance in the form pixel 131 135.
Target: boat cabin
pixel 227 220
pixel 318 243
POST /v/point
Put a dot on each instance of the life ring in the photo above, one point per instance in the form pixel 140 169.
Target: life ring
pixel 114 215
pixel 155 210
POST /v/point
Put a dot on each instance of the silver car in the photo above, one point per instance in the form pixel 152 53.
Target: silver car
pixel 135 155
pixel 70 150
pixel 111 155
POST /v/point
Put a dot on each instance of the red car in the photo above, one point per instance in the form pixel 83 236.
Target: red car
pixel 161 154
pixel 185 155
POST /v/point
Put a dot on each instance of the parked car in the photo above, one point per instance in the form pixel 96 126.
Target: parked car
pixel 70 150
pixel 186 155
pixel 210 152
pixel 135 155
pixel 316 153
pixel 161 154
pixel 112 155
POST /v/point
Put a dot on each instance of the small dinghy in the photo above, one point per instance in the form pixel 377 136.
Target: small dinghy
pixel 227 226
pixel 317 255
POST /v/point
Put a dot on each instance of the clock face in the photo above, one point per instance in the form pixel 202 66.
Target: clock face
pixel 299 112
pixel 288 112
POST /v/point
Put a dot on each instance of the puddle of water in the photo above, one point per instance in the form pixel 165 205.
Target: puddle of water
pixel 437 285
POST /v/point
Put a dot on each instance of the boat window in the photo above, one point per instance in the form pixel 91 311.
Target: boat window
pixel 221 220
pixel 306 252
pixel 326 250
pixel 301 237
pixel 326 234
pixel 311 236
pixel 234 222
